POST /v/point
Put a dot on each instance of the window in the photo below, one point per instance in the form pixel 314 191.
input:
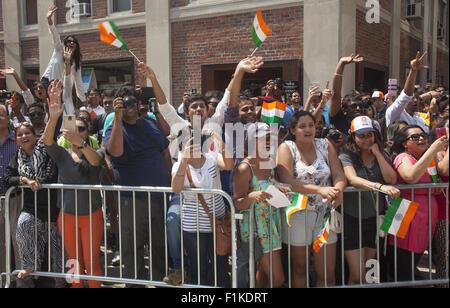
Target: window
pixel 117 6
pixel 31 17
pixel 442 21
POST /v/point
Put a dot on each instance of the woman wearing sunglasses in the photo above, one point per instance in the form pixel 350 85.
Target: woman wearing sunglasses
pixel 368 168
pixel 413 165
pixel 56 66
pixel 82 212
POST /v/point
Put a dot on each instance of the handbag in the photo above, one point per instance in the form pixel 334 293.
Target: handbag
pixel 223 225
pixel 336 222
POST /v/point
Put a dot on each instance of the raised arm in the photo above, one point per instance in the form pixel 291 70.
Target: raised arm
pixel 394 112
pixel 337 82
pixel 410 173
pixel 55 35
pixel 55 109
pixel 115 143
pixel 326 96
pixel 68 83
pixel 12 72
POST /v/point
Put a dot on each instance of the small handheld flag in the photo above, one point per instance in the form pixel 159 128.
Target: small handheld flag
pixel 322 238
pixel 273 112
pixel 297 205
pixel 399 216
pixel 110 34
pixel 260 30
pixel 432 171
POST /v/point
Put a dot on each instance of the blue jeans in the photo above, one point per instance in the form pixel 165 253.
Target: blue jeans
pixel 173 223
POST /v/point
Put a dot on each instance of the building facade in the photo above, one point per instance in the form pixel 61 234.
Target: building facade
pixel 195 44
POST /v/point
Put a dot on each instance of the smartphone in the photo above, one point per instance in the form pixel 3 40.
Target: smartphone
pixel 70 123
pixel 441 132
pixel 147 94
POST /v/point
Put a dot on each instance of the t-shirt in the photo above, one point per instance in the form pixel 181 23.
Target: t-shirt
pixel 341 122
pixel 95 112
pixel 206 177
pixel 110 118
pixel 64 143
pixel 368 198
pixel 69 173
pixel 141 163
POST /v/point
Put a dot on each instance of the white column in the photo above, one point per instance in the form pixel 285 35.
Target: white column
pixel 396 7
pixel 45 38
pixel 158 46
pixel 425 39
pixel 11 30
pixel 434 41
pixel 329 34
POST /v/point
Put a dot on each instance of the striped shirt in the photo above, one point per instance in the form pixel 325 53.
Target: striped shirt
pixel 7 150
pixel 191 209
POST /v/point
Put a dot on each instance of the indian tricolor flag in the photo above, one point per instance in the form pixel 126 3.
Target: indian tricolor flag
pixel 432 171
pixel 273 112
pixel 110 34
pixel 399 217
pixel 322 239
pixel 297 205
pixel 260 30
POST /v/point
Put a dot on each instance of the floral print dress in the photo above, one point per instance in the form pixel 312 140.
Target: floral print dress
pixel 262 217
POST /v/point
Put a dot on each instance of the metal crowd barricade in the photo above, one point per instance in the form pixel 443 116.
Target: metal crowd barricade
pixel 106 277
pixel 376 282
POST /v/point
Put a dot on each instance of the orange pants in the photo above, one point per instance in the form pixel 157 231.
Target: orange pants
pixel 84 244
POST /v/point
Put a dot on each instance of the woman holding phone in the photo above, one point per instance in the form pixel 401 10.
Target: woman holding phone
pixel 80 165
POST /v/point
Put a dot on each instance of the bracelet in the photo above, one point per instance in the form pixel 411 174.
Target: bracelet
pixel 381 185
pixel 340 75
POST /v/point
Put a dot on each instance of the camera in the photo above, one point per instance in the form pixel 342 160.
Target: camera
pixel 152 102
pixel 6 95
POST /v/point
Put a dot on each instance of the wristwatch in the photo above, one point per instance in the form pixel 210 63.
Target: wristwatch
pixel 83 146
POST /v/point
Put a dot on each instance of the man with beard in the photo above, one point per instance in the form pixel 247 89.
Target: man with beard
pixel 406 105
pixel 296 101
pixel 342 113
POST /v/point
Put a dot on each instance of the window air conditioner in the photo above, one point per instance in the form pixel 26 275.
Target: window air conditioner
pixel 81 10
pixel 440 32
pixel 414 10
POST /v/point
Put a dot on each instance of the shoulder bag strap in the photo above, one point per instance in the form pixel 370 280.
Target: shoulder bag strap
pixel 200 196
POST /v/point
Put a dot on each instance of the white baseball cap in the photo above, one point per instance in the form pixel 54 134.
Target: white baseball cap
pixel 362 125
pixel 377 94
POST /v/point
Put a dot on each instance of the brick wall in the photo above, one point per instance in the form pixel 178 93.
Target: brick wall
pixel 227 39
pixel 138 6
pixel 93 49
pixel 442 68
pixel 2 54
pixel 30 50
pixel 408 51
pixel 1 17
pixel 372 40
pixel 178 3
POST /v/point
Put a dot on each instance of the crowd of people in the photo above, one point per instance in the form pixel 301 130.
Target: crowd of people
pixel 371 141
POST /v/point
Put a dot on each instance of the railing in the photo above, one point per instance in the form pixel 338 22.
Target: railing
pixel 106 276
pixel 119 190
pixel 374 280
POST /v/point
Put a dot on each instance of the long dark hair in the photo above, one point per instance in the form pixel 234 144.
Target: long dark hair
pixel 83 164
pixel 77 56
pixel 294 121
pixel 400 138
pixel 351 148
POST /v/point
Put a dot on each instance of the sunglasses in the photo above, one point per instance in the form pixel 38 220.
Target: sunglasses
pixel 36 114
pixel 416 137
pixel 129 102
pixel 70 41
pixel 213 104
pixel 38 88
pixel 26 124
pixel 355 106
